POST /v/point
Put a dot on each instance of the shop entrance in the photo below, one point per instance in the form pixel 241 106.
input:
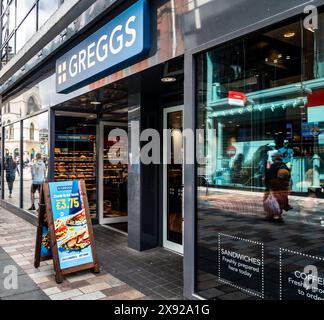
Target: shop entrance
pixel 173 180
pixel 113 177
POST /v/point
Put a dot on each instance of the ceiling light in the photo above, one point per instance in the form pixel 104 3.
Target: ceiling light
pixel 289 34
pixel 168 79
pixel 95 103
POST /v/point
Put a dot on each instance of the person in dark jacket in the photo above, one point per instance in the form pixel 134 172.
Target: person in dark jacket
pixel 277 181
pixel 10 167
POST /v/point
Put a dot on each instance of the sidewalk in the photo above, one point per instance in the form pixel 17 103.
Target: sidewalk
pixel 17 240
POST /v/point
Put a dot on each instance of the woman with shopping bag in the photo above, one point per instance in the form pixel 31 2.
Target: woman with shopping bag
pixel 277 181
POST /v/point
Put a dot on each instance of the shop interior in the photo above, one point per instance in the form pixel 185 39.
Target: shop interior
pixel 82 126
pixel 81 152
pixel 277 72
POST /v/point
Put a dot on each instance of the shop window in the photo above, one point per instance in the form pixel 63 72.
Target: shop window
pixel 26 30
pixel 11 173
pixel 35 158
pixel 23 7
pixel 45 10
pixel 260 105
pixel 75 153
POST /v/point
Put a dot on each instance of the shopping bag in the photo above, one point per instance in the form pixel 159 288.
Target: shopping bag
pixel 271 206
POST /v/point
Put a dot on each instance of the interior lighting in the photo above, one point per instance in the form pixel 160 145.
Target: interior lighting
pixel 289 34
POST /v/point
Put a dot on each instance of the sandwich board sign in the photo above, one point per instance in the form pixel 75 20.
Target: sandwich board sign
pixel 64 231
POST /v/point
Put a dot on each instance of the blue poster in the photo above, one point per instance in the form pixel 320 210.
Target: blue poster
pixel 310 129
pixel 46 245
pixel 75 137
pixel 70 221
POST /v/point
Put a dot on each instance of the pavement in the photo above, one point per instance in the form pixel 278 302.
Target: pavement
pixel 125 273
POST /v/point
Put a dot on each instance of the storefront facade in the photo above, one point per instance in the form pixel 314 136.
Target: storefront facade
pixel 250 83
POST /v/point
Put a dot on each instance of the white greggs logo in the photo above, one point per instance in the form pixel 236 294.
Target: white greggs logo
pixel 61 73
pixel 100 50
pixel 124 38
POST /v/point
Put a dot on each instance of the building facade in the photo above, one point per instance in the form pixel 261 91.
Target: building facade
pixel 246 76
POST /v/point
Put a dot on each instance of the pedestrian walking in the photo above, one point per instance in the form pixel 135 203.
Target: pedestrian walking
pixel 277 181
pixel 38 172
pixel 10 167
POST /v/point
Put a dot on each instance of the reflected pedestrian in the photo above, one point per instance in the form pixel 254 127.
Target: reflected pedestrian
pixel 38 172
pixel 10 167
pixel 277 181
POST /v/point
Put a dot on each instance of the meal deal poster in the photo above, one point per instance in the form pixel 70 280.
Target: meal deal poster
pixel 70 221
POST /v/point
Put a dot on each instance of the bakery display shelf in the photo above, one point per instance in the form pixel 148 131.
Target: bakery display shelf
pixel 74 160
pixel 74 152
pixel 69 167
pixel 82 178
pixel 69 171
pixel 112 177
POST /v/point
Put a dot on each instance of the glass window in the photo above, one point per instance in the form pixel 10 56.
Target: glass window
pixel 261 168
pixel 4 27
pixel 11 163
pixel 75 153
pixel 45 10
pixel 12 17
pixel 26 30
pixel 23 7
pixel 35 158
pixel 8 51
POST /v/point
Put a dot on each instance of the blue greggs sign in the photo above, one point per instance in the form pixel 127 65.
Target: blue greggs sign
pixel 114 46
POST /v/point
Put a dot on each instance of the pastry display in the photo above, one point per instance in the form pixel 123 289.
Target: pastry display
pixel 73 165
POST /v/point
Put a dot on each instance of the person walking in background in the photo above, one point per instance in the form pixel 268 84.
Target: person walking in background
pixel 38 172
pixel 10 167
pixel 277 181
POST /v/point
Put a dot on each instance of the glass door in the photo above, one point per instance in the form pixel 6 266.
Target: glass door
pixel 114 177
pixel 173 179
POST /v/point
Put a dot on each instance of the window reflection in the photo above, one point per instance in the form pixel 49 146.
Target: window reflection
pixel 23 7
pixel 260 101
pixel 26 30
pixel 35 158
pixel 20 23
pixel 46 9
pixel 11 163
pixel 32 105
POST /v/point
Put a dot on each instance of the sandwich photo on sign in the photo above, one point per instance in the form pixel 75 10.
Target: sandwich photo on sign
pixel 70 222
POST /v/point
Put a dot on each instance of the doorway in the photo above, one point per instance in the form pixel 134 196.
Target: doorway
pixel 114 178
pixel 173 179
